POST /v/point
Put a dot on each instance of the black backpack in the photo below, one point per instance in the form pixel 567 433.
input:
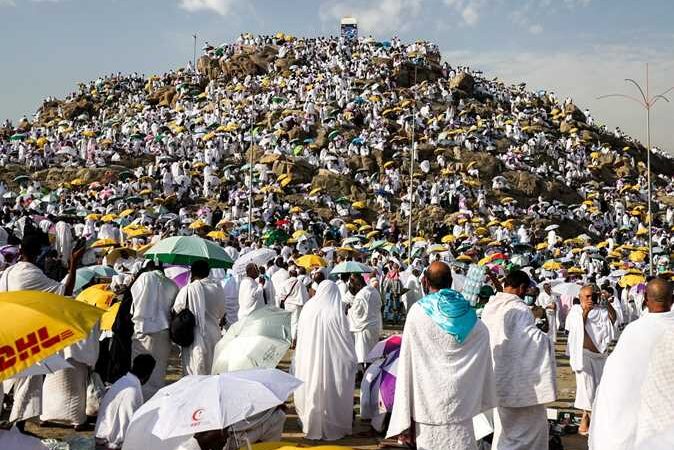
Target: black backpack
pixel 182 326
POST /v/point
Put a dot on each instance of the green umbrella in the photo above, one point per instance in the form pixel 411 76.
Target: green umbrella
pixel 377 244
pixel 134 199
pixel 17 137
pixel 125 175
pixel 184 250
pixel 333 135
pixel 276 237
pixel 21 178
pixel 350 267
pixel 85 274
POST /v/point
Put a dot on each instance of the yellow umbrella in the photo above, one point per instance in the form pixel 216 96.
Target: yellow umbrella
pixel 219 235
pixel 97 295
pixel 637 256
pixel 101 243
pixel 448 238
pixel 126 212
pixel 576 271
pixel 388 164
pixel 298 234
pixel 493 223
pixel 114 253
pixel 310 261
pixel 542 246
pixel 224 223
pixel 139 232
pixel 145 192
pixel 364 228
pixel 38 324
pixel 108 319
pixel 602 244
pixel 350 226
pixel 92 217
pixel 315 191
pixel 437 248
pixel 552 265
pixel 197 224
pixel 295 210
pixel 291 446
pixel 359 205
pixel 360 222
pixel 631 280
pixel 481 231
pixel 78 182
pixel 484 261
pixel 109 217
pixel 286 181
pixel 464 258
pixel 346 250
pixel 371 234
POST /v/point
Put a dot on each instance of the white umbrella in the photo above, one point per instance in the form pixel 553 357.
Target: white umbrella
pixel 259 257
pixel 551 227
pixel 260 340
pixel 13 439
pixel 198 403
pixel 570 289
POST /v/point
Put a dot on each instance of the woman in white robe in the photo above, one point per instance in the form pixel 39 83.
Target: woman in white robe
pixel 325 361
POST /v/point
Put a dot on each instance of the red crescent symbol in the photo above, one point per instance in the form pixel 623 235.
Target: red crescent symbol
pixel 196 415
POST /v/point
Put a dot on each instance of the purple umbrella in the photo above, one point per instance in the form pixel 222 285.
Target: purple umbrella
pixel 180 275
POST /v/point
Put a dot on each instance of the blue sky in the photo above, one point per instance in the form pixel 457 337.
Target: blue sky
pixel 582 48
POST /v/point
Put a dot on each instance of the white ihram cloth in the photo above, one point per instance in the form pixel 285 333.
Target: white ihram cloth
pixel 24 276
pixel 441 384
pixel 63 243
pixel 365 321
pixel 587 365
pixel 250 297
pixel 153 295
pixel 544 300
pixel 524 370
pixel 278 280
pixel 655 429
pixel 294 295
pixel 206 300
pixel 413 293
pixel 231 288
pixel 64 393
pixel 117 407
pixel 615 414
pixel 325 361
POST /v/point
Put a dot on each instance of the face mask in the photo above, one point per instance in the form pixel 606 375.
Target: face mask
pixel 529 300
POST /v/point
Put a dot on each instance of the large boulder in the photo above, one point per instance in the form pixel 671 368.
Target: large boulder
pixel 406 74
pixel 335 185
pixel 300 171
pixel 208 67
pixel 463 82
pixel 77 107
pixel 162 96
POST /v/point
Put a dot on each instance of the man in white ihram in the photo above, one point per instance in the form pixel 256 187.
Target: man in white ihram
pixel 123 398
pixel 615 414
pixel 549 301
pixel 444 375
pixel 591 330
pixel 206 299
pixel 292 296
pixel 524 368
pixel 250 292
pixel 153 295
pixel 365 321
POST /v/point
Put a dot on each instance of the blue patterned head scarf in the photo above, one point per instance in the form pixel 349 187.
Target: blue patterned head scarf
pixel 451 312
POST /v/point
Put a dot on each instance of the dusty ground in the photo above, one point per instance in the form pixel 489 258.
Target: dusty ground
pixel 361 438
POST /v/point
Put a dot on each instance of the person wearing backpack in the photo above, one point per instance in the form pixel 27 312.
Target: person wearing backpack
pixel 153 296
pixel 205 299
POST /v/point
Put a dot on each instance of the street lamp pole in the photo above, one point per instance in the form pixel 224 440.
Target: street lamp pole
pixel 412 156
pixel 646 102
pixel 250 184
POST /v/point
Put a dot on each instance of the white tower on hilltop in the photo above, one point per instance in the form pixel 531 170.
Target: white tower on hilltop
pixel 349 28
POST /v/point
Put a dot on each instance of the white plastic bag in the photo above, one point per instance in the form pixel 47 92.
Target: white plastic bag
pixel 95 393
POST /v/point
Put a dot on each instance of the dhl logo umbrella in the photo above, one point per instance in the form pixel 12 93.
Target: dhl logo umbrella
pixel 35 325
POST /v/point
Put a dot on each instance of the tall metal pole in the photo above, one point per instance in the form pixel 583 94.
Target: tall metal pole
pixel 250 185
pixel 648 174
pixel 194 55
pixel 412 156
pixel 646 102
